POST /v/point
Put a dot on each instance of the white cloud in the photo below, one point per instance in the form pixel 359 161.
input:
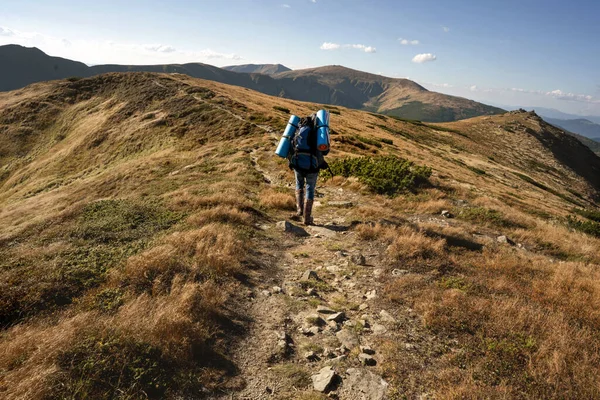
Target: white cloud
pixel 446 29
pixel 423 58
pixel 109 52
pixel 336 46
pixel 366 49
pixel 330 46
pixel 6 32
pixel 406 42
pixel 160 48
pixel 473 88
pixel 560 95
pixel 313 1
pixel 286 6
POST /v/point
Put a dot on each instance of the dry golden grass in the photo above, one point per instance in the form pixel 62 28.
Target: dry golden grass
pixel 410 244
pixel 220 214
pixel 272 199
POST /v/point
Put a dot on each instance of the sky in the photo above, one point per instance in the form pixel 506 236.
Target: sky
pixel 543 53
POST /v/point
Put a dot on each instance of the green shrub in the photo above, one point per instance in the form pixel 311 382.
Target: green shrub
pixel 593 215
pixel 383 174
pixel 107 221
pixel 486 216
pixel 112 367
pixel 591 228
pixel 387 141
pixel 282 109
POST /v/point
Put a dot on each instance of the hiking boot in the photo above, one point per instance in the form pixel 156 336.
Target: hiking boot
pixel 308 212
pixel 299 205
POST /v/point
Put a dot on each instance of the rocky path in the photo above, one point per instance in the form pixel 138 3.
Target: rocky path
pixel 319 321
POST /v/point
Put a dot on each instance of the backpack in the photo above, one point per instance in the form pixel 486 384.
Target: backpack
pixel 304 155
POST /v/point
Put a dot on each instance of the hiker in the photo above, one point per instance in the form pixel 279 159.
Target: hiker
pixel 306 160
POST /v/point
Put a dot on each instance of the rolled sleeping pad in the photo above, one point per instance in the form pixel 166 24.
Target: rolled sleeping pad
pixel 286 140
pixel 323 130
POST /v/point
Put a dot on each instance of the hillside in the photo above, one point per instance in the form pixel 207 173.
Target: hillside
pixel 144 254
pixel 580 126
pixel 266 69
pixel 326 85
pixel 396 97
pixel 20 66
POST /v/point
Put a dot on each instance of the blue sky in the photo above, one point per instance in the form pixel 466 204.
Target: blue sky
pixel 527 52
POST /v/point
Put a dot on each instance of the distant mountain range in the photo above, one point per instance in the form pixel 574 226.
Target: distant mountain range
pixel 265 69
pixel 335 85
pixel 581 126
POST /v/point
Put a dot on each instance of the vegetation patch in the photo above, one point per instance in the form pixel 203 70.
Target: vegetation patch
pixel 589 227
pixel 487 216
pixel 282 109
pixel 112 367
pixel 109 221
pixel 383 174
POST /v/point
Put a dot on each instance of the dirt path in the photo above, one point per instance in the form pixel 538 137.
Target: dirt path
pixel 297 331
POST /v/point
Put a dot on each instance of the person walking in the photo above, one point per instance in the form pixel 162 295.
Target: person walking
pixel 306 160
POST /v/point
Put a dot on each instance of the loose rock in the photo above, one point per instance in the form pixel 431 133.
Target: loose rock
pixel 364 384
pixel 399 272
pixel 379 329
pixel 447 214
pixel 505 239
pixel 386 316
pixel 323 380
pixel 337 317
pixel 347 338
pixel 309 275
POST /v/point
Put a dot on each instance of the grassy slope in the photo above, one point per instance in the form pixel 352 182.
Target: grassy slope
pixel 129 213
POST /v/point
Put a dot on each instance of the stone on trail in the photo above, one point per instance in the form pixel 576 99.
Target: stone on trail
pixel 363 384
pixel 309 275
pixel 337 317
pixel 336 360
pixel 323 380
pixel 347 338
pixel 379 329
pixel 386 316
pixel 370 295
pixel 505 239
pixel 447 214
pixel 399 272
pixel 287 226
pixel 311 292
pixel 363 306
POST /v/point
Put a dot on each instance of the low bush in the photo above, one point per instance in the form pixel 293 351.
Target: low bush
pixel 387 141
pixel 383 174
pixel 282 109
pixel 589 227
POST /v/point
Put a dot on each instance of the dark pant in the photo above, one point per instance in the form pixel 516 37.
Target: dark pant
pixel 310 179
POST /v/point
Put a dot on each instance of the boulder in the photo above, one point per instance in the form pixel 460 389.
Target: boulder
pixel 323 380
pixel 399 272
pixel 347 338
pixel 447 214
pixel 363 384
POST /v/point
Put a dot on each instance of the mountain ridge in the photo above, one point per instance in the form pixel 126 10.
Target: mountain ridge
pixel 265 69
pixel 334 85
